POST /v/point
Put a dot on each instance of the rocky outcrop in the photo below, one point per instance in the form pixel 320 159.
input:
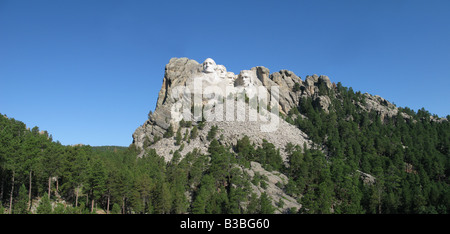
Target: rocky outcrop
pixel 366 178
pixel 273 183
pixel 251 121
pixel 313 82
pixel 184 71
pixel 256 116
pixel 380 105
pixel 228 133
pixel 177 73
pixel 286 81
pixel 323 102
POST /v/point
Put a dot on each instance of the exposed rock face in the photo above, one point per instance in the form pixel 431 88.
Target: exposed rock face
pixel 282 90
pixel 383 107
pixel 367 178
pixel 177 73
pixel 274 180
pixel 228 134
pixel 250 121
pixel 184 72
pixel 323 102
pixel 313 82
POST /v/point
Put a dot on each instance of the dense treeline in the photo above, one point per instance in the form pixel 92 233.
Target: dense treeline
pixel 409 159
pixel 35 170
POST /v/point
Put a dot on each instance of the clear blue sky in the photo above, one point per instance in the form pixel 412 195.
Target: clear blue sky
pixel 89 71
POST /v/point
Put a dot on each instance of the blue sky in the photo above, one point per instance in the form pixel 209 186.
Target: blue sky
pixel 90 71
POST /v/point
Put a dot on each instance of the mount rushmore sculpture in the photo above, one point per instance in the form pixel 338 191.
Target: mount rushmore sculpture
pixel 249 102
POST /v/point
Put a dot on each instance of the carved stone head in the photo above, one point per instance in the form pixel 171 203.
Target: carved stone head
pixel 221 71
pixel 246 78
pixel 231 78
pixel 209 66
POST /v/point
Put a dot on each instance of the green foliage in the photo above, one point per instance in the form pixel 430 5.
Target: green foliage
pixel 360 140
pixel 203 199
pixel 186 134
pixel 221 160
pixel 21 205
pixel 96 179
pixel 194 132
pixel 296 87
pixel 169 132
pixel 408 157
pixel 269 156
pixel 266 204
pixel 115 209
pixel 44 205
pixel 185 124
pixel 246 151
pixel 178 137
pixel 108 148
pixel 212 132
pixel 266 154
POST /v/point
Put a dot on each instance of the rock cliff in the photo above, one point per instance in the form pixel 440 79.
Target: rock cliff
pixel 202 96
pixel 182 72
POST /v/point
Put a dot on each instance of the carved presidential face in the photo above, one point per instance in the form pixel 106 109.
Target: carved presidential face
pixel 221 70
pixel 230 77
pixel 209 65
pixel 246 79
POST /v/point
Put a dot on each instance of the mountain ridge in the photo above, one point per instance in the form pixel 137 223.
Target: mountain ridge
pixel 165 135
pixel 331 150
pixel 179 71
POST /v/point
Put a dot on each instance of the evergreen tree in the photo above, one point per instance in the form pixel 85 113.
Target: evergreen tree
pixel 220 161
pixel 162 198
pixel 212 133
pixel 253 205
pixel 44 206
pixel 21 205
pixel 266 204
pixel 115 209
pixel 178 137
pixel 194 132
pixel 202 203
pixel 169 132
pixel 96 181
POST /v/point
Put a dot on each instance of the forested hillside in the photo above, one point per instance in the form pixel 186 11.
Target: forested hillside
pixel 407 159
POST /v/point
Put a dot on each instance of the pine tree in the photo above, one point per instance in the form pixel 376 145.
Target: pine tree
pixel 246 152
pixel 212 132
pixel 199 204
pixel 169 132
pixel 96 181
pixel 45 206
pixel 194 132
pixel 21 205
pixel 253 206
pixel 203 202
pixel 266 204
pixel 163 198
pixel 178 137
